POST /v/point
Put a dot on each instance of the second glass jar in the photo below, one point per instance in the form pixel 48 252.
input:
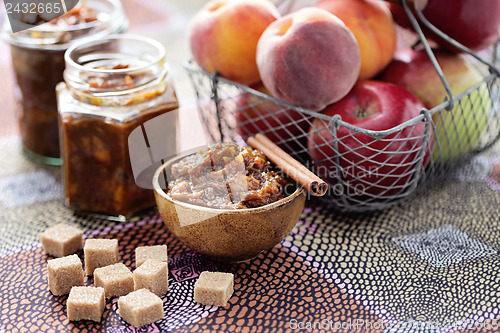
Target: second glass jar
pixel 38 63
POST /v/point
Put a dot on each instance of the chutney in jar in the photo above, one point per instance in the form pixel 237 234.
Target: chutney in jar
pixel 97 169
pixel 125 87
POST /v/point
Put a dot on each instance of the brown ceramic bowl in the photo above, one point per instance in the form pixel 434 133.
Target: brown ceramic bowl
pixel 224 234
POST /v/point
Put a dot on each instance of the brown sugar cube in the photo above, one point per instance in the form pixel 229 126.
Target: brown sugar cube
pixel 116 279
pixel 61 240
pixel 140 307
pixel 85 303
pixel 64 273
pixel 100 253
pixel 143 253
pixel 152 275
pixel 214 288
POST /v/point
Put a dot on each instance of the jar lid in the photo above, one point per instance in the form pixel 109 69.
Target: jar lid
pixel 110 18
pixel 116 70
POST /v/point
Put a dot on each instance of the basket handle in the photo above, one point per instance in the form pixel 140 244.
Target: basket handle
pixel 493 69
pixel 450 100
pixel 215 97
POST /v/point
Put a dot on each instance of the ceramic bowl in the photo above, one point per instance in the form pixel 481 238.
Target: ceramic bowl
pixel 229 235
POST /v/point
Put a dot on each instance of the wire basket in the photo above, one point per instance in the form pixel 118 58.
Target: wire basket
pixel 402 159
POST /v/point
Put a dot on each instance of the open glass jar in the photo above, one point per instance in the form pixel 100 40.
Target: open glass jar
pixel 38 62
pixel 113 87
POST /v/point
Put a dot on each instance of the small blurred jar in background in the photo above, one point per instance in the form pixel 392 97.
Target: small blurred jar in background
pixel 38 62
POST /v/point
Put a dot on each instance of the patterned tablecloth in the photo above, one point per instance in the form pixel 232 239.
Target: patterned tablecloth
pixel 429 264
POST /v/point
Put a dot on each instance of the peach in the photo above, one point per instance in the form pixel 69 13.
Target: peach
pixel 371 23
pixel 308 58
pixel 223 37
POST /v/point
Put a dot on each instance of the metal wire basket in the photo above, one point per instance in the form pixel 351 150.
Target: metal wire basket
pixel 232 112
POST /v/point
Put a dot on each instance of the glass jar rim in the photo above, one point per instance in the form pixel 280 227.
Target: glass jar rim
pixel 46 36
pixel 134 66
pixel 73 65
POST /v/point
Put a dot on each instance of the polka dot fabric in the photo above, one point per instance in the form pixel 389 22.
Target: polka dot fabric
pixel 270 290
pixel 429 264
pixel 336 271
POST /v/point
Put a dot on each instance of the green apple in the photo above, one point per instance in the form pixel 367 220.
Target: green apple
pixel 458 131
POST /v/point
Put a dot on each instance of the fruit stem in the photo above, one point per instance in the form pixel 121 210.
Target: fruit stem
pixel 361 113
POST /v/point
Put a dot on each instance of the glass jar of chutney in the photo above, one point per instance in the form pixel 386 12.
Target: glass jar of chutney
pixel 113 89
pixel 38 63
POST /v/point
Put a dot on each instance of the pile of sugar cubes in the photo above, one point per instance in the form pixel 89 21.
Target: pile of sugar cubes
pixel 139 292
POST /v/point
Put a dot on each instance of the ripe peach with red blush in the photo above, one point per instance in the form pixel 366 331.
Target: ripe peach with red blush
pixel 371 23
pixel 223 37
pixel 308 58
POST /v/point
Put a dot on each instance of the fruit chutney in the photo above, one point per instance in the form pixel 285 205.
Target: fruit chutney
pixel 225 176
pixel 112 86
pixel 38 63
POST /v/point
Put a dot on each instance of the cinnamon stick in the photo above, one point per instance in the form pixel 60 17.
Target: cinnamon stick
pixel 293 168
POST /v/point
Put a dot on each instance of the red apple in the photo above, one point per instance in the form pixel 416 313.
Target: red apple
pixel 458 131
pixel 473 23
pixel 286 127
pixel 378 165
